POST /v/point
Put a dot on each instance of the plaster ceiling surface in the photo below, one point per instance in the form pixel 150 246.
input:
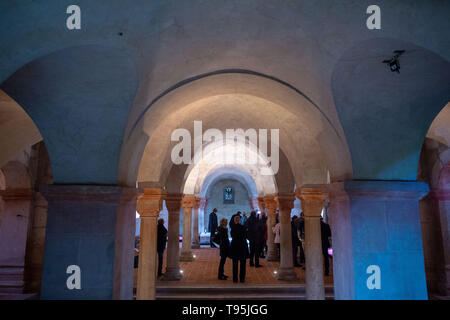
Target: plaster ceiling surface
pixel 158 47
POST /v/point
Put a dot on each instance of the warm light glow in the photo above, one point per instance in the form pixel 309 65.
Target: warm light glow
pixel 181 271
pixel 137 215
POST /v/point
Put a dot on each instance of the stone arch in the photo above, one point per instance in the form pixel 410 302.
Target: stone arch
pixel 84 81
pixel 312 146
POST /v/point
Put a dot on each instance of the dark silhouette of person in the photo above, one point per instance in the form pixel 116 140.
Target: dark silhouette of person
pixel 263 245
pixel 232 218
pixel 161 244
pixel 255 232
pixel 224 243
pixel 212 227
pixel 238 249
pixel 326 235
pixel 301 232
pixel 295 240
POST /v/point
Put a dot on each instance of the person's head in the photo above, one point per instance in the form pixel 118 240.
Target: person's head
pixel 161 221
pixel 301 214
pixel 239 213
pixel 294 218
pixel 244 213
pixel 253 214
pixel 214 210
pixel 237 219
pixel 263 214
pixel 223 223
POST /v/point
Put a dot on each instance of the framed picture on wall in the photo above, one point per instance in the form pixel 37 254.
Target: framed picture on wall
pixel 228 195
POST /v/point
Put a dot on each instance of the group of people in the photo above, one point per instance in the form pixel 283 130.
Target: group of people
pixel 253 229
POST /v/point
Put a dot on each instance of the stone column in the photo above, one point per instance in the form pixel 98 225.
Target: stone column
pixel 173 204
pixel 13 237
pixel 377 235
pixel 271 205
pixel 148 206
pixel 312 199
pixel 261 204
pixel 434 238
pixel 195 232
pixel 187 204
pixel 285 204
pixel 82 230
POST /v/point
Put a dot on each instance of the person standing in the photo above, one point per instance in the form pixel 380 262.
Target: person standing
pixel 255 231
pixel 295 240
pixel 161 244
pixel 276 231
pixel 263 239
pixel 238 249
pixel 326 235
pixel 232 218
pixel 244 218
pixel 301 235
pixel 224 247
pixel 212 227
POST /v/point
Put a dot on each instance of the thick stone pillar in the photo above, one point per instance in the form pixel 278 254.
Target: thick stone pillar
pixel 84 229
pixel 173 204
pixel 285 204
pixel 195 231
pixel 312 199
pixel 148 206
pixel 433 210
pixel 124 245
pixel 14 220
pixel 271 205
pixel 377 240
pixel 187 204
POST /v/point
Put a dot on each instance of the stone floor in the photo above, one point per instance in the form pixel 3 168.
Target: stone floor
pixel 203 271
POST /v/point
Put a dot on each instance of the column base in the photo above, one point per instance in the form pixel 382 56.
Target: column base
pixel 272 256
pixel 172 275
pixel 287 274
pixel 186 256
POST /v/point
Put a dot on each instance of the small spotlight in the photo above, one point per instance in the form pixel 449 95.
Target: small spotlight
pixel 181 271
pixel 194 256
pixel 275 272
pixel 394 63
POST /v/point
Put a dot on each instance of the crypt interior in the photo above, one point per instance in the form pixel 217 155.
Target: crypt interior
pixel 87 119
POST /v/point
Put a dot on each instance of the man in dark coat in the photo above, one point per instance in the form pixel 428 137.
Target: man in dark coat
pixel 232 218
pixel 255 232
pixel 301 232
pixel 212 227
pixel 326 235
pixel 263 239
pixel 295 240
pixel 161 244
pixel 238 249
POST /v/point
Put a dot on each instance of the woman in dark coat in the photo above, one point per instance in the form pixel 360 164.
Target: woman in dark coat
pixel 239 248
pixel 224 247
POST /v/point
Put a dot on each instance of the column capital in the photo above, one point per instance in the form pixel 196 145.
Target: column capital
pixel 188 201
pixel 285 201
pixel 203 202
pixel 440 194
pixel 173 202
pixel 312 192
pixel 261 204
pixel 16 194
pixel 270 202
pixel 197 202
pixel 150 203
